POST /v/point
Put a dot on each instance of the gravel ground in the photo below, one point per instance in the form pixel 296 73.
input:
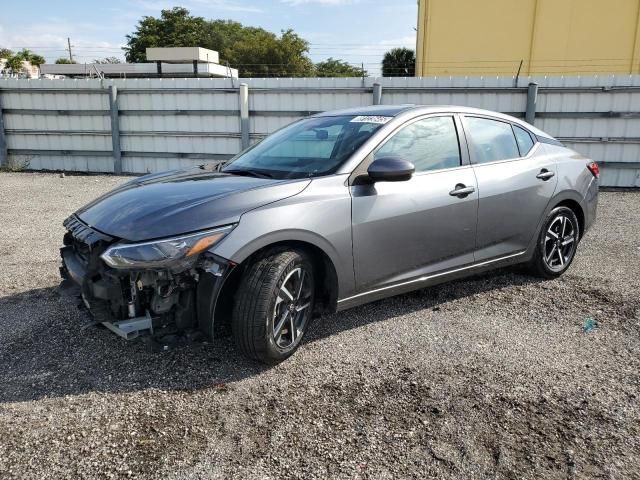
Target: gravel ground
pixel 491 377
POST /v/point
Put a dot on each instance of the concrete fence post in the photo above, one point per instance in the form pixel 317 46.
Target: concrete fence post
pixel 115 130
pixel 244 115
pixel 4 152
pixel 532 99
pixel 377 94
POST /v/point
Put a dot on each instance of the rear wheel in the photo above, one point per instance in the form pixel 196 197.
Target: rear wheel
pixel 557 243
pixel 273 306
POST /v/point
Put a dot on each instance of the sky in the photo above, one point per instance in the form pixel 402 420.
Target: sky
pixel 357 31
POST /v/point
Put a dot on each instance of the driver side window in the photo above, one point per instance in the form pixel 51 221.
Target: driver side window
pixel 430 144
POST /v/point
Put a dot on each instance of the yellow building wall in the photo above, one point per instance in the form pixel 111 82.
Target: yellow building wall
pixel 562 37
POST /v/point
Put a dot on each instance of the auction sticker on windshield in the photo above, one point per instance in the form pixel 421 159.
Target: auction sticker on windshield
pixel 370 119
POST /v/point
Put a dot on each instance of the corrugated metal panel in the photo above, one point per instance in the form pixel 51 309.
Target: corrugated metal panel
pixel 19 141
pixel 179 123
pixel 620 177
pixel 590 127
pixel 159 164
pixel 607 152
pixel 69 163
pixel 190 121
pixel 56 122
pixel 173 144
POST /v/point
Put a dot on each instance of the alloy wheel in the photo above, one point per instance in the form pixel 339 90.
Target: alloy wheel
pixel 559 243
pixel 291 310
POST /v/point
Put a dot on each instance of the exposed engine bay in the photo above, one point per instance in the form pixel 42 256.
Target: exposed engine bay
pixel 130 302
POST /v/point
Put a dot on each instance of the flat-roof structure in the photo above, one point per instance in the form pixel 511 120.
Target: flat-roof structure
pixel 163 62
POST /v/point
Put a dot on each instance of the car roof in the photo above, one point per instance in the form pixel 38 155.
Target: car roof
pixel 412 109
pixel 382 110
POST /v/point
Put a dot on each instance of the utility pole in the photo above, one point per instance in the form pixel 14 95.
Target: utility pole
pixel 69 48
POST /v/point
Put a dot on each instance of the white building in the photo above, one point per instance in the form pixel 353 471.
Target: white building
pixel 163 62
pixel 28 70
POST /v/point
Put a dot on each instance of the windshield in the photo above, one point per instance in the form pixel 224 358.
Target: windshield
pixel 308 148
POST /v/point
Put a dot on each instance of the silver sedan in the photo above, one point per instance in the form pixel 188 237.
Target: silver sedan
pixel 330 212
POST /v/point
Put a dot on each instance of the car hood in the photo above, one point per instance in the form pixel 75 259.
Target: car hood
pixel 177 202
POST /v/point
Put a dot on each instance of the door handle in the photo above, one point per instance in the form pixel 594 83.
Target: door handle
pixel 461 191
pixel 545 174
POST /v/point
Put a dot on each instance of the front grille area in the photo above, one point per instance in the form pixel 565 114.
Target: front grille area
pixel 101 289
pixel 84 240
pixel 84 233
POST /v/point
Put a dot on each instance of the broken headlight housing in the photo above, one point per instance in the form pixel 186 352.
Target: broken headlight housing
pixel 175 252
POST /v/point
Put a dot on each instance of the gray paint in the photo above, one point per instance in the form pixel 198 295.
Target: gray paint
pixel 4 154
pixel 243 98
pixel 389 238
pixel 178 202
pixel 383 238
pixel 532 99
pixel 377 94
pixel 115 130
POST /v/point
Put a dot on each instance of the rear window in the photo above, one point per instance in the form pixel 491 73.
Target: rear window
pixel 525 143
pixel 491 140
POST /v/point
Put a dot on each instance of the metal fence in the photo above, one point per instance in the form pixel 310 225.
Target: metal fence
pixel 149 125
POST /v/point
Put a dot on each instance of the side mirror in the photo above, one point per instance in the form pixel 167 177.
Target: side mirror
pixel 390 169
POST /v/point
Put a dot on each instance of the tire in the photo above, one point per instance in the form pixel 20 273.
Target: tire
pixel 554 252
pixel 269 319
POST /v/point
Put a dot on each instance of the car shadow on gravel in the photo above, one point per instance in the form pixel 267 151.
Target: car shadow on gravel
pixel 48 348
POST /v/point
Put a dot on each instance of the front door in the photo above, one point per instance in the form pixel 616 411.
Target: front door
pixel 403 231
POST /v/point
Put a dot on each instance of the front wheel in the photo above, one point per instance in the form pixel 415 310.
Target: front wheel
pixel 557 243
pixel 273 306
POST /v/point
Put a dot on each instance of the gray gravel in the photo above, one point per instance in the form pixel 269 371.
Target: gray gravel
pixel 490 377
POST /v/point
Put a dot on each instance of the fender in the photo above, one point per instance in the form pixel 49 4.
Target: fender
pixel 210 285
pixel 555 200
pixel 302 236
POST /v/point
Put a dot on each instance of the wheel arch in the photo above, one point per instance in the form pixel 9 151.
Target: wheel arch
pixel 326 279
pixel 577 210
pixel 569 198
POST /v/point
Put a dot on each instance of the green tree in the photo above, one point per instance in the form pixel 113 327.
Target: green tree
pixel 254 51
pixel 15 61
pixel 5 52
pixel 333 67
pixel 31 57
pixel 175 28
pixel 399 62
pixel 65 61
pixel 107 60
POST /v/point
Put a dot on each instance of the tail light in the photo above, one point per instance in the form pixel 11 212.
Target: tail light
pixel 594 169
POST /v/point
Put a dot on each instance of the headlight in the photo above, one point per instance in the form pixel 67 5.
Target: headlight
pixel 171 252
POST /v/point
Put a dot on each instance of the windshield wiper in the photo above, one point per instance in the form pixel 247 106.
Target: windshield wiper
pixel 249 173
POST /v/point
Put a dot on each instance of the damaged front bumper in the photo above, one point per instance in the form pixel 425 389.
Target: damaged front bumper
pixel 156 301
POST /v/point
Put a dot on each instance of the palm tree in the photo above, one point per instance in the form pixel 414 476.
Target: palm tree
pixel 32 58
pixel 399 62
pixel 15 63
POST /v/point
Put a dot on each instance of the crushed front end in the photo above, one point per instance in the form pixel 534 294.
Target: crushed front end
pixel 157 287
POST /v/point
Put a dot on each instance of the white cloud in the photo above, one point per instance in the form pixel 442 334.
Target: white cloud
pixel 227 5
pixel 50 40
pixel 296 3
pixel 223 5
pixel 408 41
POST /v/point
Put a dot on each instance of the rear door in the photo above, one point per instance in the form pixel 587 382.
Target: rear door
pixel 405 230
pixel 515 179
